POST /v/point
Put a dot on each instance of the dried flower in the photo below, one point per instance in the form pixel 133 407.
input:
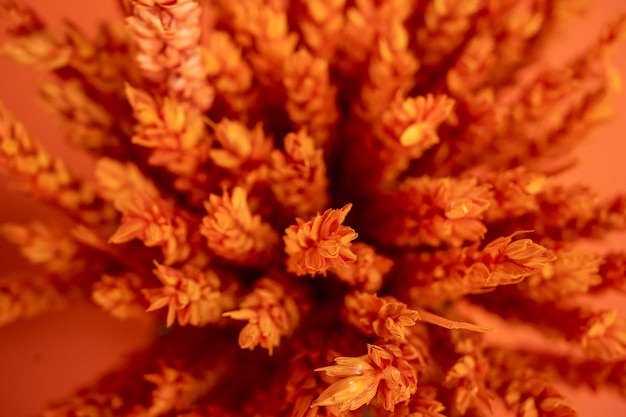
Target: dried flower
pixel 321 243
pixel 271 314
pixel 190 295
pixel 217 124
pixel 119 295
pixel 234 233
pixel 380 372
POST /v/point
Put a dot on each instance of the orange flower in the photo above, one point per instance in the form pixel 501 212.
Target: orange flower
pixel 167 35
pixel 298 175
pixel 173 130
pixel 434 211
pixel 176 389
pixel 367 272
pixel 505 261
pixel 357 388
pixel 117 182
pixel 385 317
pixel 234 233
pixel 382 371
pixel 515 191
pixel 411 124
pixel 190 295
pixel 23 297
pixel 572 272
pixel 45 245
pixel 119 295
pixel 46 177
pixel 154 222
pixel 263 29
pixel 466 377
pixel 311 99
pixel 228 71
pixel 241 148
pixel 412 110
pixel 321 24
pixel 314 246
pixel 271 314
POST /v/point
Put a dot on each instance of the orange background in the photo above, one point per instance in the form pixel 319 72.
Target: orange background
pixel 46 358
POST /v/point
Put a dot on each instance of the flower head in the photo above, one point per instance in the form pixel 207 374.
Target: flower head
pixel 190 295
pixel 318 244
pixel 215 125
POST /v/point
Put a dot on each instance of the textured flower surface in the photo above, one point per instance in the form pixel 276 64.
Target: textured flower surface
pixel 323 205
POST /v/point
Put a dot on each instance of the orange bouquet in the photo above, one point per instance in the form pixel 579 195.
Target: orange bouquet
pixel 325 204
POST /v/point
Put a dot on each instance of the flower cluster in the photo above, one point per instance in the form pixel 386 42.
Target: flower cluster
pixel 319 200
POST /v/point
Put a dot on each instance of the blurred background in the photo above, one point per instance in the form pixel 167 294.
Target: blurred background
pixel 46 358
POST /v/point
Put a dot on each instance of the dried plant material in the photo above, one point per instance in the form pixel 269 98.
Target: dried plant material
pixel 217 124
pixel 389 74
pixel 177 390
pixel 146 215
pixel 367 273
pixel 86 123
pixel 120 295
pixel 381 372
pixel 528 393
pixel 48 178
pixel 24 297
pixel 271 314
pixel 241 149
pixel 53 248
pixel 321 26
pixel 466 377
pixel 229 73
pixel 263 30
pixel 174 131
pixel 435 211
pixel 191 296
pixel 385 317
pixel 319 244
pixel 446 25
pixel 311 100
pixel 167 34
pixel 572 273
pixel 412 123
pixel 18 19
pixel 236 234
pixel 298 176
pixel 153 222
pixel 612 271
